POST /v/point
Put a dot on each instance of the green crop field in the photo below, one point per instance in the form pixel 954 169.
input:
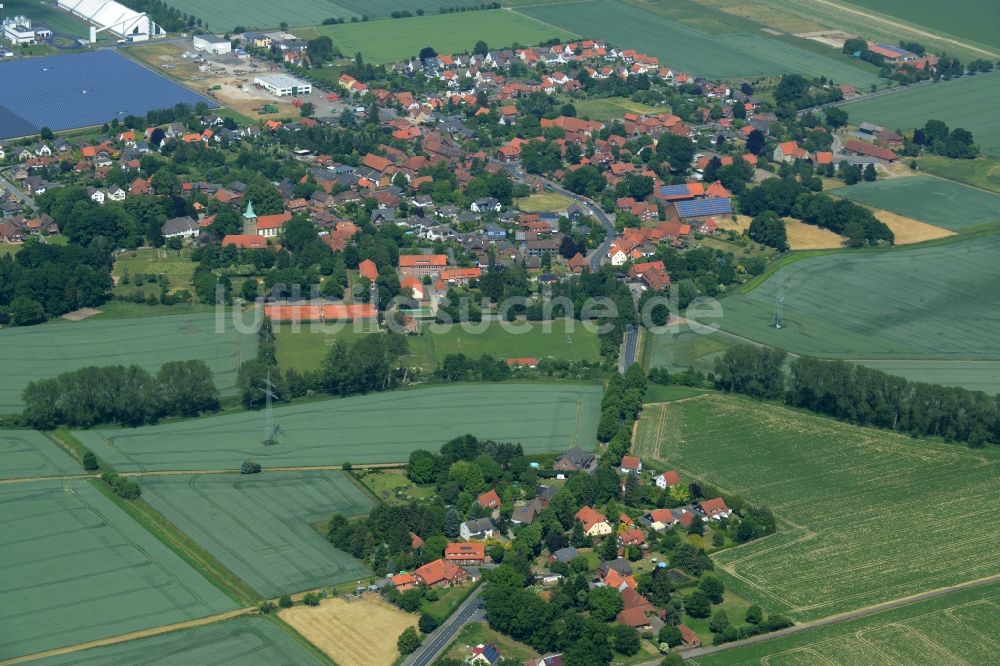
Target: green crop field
pixel 242 641
pixel 377 428
pixel 976 20
pixel 77 568
pixel 967 102
pixel 684 349
pixel 36 352
pixel 942 203
pixel 931 302
pixel 26 453
pixel 974 375
pixel 957 628
pixel 260 526
pixel 688 49
pixel 395 40
pixel 865 515
pixel 561 338
pixel 224 15
pixel 982 172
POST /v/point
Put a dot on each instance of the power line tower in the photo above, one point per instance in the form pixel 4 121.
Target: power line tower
pixel 271 431
pixel 778 321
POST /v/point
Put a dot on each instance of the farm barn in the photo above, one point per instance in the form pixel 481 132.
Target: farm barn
pixel 119 19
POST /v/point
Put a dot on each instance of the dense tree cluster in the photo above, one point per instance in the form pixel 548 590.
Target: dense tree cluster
pixel 862 395
pixel 935 137
pixel 789 197
pixel 128 396
pixel 769 229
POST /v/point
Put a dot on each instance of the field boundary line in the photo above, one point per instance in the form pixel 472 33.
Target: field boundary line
pixel 133 635
pixel 898 24
pixel 546 23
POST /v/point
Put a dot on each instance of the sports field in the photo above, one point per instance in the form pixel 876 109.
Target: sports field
pixel 242 641
pixel 223 15
pixel 958 628
pixel 931 302
pixel 305 349
pixel 77 568
pixel 942 203
pixel 976 20
pixel 965 102
pixel 688 49
pixel 27 453
pixel 562 338
pixel 260 526
pixel 395 40
pixel 865 516
pixel 36 352
pixel 377 428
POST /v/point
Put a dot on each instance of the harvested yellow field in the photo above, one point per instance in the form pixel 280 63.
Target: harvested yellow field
pixel 343 630
pixel 739 225
pixel 802 236
pixel 908 230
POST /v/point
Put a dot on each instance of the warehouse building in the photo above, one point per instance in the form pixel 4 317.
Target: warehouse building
pixel 283 85
pixel 212 44
pixel 117 18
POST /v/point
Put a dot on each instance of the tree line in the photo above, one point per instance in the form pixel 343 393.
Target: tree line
pixel 129 396
pixel 861 395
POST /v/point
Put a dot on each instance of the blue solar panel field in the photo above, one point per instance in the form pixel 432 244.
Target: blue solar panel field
pixel 69 91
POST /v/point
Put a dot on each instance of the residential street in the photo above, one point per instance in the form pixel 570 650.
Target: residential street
pixel 630 348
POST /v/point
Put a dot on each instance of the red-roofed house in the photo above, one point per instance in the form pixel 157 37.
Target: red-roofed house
pixel 634 617
pixel 403 582
pixel 789 151
pixel 461 275
pixel 688 638
pixel 376 162
pixel 440 573
pixel 489 500
pixel 594 522
pixel 668 479
pixel 523 362
pixel 368 269
pixel 614 579
pixel 465 553
pixel 269 226
pixel 245 241
pixel 715 509
pixel 866 149
pixel 630 465
pixel 422 264
pixel 661 519
pixel 632 537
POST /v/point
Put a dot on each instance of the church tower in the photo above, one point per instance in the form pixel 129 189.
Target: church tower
pixel 250 220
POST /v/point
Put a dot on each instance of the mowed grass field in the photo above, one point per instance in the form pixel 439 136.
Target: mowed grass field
pixel 927 302
pixel 958 628
pixel 224 15
pixel 561 338
pixel 62 23
pixel 76 568
pixel 377 428
pixel 865 516
pixel 982 172
pixel 177 266
pixel 965 102
pixel 36 352
pixel 305 349
pixel 689 49
pixel 28 453
pixel 942 203
pixel 400 39
pixel 242 641
pixel 976 20
pixel 260 526
pixel 610 108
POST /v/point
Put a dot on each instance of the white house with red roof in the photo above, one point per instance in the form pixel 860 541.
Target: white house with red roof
pixel 715 509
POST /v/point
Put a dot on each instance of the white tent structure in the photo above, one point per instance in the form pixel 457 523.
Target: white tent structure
pixel 114 17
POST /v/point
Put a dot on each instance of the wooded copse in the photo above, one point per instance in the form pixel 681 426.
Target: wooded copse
pixel 130 396
pixel 861 395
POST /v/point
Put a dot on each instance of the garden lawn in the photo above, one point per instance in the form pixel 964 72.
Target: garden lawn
pixel 967 102
pixel 939 301
pixel 177 266
pixel 376 428
pixel 36 352
pixel 392 487
pixel 260 526
pixel 305 349
pixel 479 633
pixel 77 568
pixel 609 108
pixel 566 339
pixel 957 628
pixel 224 15
pixel 544 202
pixel 27 453
pixel 688 49
pixel 242 641
pixel 865 516
pixel 390 41
pixel 942 203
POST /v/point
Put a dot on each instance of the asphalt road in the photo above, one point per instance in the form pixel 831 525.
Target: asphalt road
pixel 11 187
pixel 629 349
pixel 434 644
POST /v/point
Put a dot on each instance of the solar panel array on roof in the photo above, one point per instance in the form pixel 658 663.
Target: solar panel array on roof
pixel 79 90
pixel 702 207
pixel 674 190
